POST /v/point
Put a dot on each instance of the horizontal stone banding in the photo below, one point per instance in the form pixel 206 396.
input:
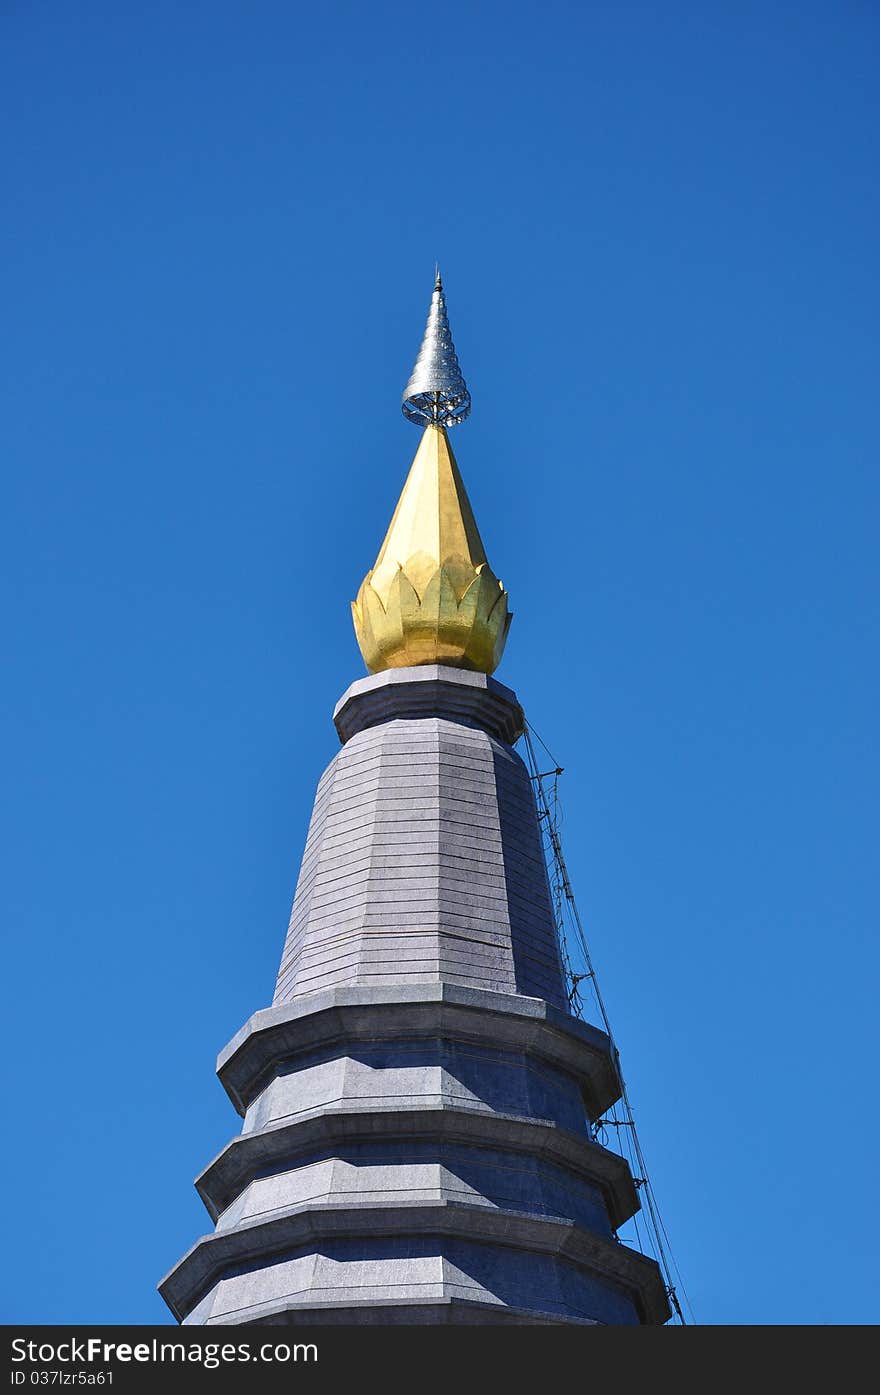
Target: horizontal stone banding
pixel 609 1261
pixel 347 1015
pixel 235 1166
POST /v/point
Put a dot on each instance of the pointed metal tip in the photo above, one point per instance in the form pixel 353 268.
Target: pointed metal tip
pixel 436 392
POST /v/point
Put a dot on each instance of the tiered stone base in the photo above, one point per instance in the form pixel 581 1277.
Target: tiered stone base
pixel 415 1144
pixel 416 1157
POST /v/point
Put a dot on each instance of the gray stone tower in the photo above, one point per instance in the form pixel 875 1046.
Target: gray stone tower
pixel 416 1100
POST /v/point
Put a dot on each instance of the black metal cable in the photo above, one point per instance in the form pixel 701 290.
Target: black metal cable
pixel 562 892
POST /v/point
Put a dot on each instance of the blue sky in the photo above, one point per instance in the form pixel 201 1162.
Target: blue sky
pixel 658 230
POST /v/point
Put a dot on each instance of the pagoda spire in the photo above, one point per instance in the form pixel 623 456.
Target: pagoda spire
pixel 431 596
pixel 420 1104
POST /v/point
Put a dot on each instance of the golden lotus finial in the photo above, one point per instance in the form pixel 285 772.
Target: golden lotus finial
pixel 432 597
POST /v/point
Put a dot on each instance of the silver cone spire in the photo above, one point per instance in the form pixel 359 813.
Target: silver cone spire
pixel 436 391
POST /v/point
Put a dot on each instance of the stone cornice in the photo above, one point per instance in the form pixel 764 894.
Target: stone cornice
pixel 283 1144
pixel 430 690
pixel 337 1016
pixel 613 1263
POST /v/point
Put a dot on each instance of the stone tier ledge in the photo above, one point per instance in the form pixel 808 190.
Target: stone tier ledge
pixel 430 690
pixel 505 1021
pixel 278 1147
pixel 391 1312
pixel 607 1260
